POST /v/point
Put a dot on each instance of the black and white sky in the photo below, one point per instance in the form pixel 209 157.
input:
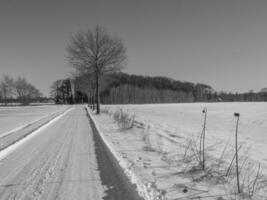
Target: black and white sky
pixel 222 43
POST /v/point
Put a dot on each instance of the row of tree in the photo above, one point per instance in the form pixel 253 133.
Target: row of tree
pixel 62 92
pixel 129 94
pixel 125 88
pixel 247 96
pixel 122 88
pixel 69 91
pixel 17 91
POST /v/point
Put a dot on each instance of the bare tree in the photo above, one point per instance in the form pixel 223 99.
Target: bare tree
pixel 62 91
pixel 96 52
pixel 6 87
pixel 25 91
pixel 55 91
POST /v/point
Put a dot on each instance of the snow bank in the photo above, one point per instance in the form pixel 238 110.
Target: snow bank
pixel 146 191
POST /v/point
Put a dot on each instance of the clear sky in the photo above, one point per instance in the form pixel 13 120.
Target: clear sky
pixel 222 43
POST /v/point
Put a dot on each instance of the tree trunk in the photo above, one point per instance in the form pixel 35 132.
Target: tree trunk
pixel 93 100
pixel 97 94
pixel 90 99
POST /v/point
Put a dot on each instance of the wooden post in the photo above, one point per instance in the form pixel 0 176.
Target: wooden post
pixel 237 115
pixel 203 137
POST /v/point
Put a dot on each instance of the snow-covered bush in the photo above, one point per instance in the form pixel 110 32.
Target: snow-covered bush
pixel 124 118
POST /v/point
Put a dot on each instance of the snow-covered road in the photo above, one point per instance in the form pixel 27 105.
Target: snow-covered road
pixel 58 163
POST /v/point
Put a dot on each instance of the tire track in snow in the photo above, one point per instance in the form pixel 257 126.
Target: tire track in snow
pixel 57 164
pixel 5 152
pixel 31 183
pixel 26 125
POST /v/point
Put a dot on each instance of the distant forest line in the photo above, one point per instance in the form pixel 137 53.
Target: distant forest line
pixel 123 88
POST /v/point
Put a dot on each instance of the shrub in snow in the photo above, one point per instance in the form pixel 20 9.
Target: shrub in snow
pixel 124 118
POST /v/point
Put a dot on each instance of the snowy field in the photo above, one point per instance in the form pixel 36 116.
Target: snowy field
pixel 16 117
pixel 187 119
pixel 168 135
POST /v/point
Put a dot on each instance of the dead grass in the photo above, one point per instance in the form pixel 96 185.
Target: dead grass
pixel 124 118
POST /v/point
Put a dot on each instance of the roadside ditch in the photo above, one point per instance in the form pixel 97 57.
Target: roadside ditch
pixel 112 174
